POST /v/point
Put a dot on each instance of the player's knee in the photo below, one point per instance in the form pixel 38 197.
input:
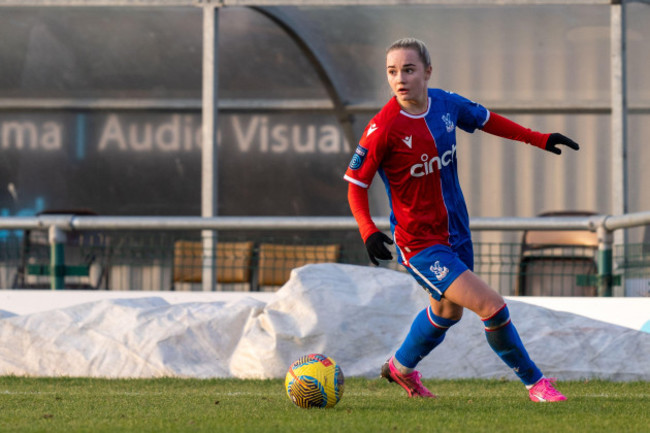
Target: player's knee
pixel 492 303
pixel 447 309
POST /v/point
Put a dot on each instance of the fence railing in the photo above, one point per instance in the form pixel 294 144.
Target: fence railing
pixel 212 252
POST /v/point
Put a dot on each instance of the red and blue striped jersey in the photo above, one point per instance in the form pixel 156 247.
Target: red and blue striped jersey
pixel 415 156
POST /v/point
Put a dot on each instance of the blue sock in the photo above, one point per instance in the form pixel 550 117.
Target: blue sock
pixel 427 331
pixel 503 338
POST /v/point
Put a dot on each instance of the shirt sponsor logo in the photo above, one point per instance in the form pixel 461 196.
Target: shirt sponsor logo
pixel 358 157
pixel 428 166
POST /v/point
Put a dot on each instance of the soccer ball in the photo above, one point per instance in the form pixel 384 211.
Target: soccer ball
pixel 314 381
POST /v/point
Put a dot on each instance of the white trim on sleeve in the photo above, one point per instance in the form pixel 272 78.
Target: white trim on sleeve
pixel 356 182
pixel 486 118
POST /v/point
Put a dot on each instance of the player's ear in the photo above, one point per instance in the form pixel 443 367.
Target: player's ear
pixel 427 72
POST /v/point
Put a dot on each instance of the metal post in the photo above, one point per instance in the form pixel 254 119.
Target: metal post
pixel 209 141
pixel 619 113
pixel 57 238
pixel 605 268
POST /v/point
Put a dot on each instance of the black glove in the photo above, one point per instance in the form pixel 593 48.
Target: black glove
pixel 556 138
pixel 377 249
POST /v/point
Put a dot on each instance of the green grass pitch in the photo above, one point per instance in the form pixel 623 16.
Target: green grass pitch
pixel 368 405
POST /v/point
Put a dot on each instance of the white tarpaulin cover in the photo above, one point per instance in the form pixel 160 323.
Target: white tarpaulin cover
pixel 356 315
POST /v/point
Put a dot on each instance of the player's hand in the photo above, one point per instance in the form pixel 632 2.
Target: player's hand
pixel 557 138
pixel 375 244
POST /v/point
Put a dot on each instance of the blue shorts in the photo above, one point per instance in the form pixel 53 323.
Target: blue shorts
pixel 436 267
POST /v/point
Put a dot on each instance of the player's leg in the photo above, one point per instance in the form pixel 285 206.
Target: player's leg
pixel 473 293
pixel 431 324
pixel 427 332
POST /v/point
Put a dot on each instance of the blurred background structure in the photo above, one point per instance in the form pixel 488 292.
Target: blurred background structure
pixel 101 113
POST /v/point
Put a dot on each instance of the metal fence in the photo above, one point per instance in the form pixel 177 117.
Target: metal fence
pixel 557 256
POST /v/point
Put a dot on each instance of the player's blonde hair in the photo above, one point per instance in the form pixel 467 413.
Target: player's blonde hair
pixel 413 44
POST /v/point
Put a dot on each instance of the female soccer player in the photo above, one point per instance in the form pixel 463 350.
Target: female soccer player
pixel 411 143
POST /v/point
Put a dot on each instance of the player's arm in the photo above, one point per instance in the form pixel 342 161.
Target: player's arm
pixel 373 238
pixel 506 128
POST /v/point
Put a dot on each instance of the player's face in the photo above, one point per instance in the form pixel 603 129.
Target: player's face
pixel 408 78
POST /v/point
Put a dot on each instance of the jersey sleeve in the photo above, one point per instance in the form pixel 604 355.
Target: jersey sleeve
pixel 506 128
pixel 471 115
pixel 358 201
pixel 368 155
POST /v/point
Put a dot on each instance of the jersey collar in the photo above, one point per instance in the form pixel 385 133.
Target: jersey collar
pixel 421 115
